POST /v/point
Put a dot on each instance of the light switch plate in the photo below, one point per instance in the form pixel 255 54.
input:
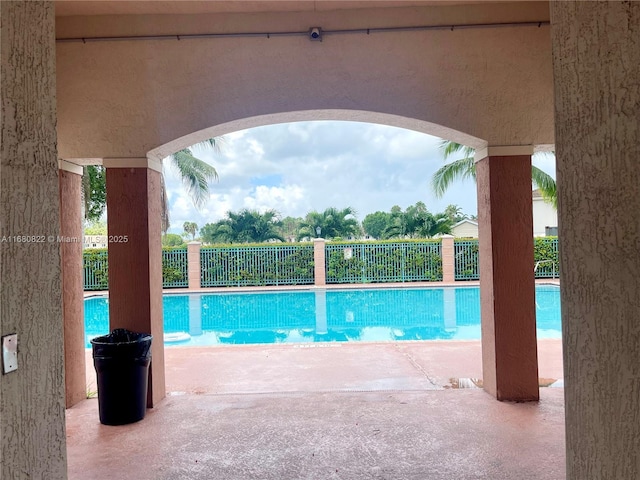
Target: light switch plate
pixel 10 353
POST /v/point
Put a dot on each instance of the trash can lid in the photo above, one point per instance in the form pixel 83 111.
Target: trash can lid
pixel 121 335
pixel 122 343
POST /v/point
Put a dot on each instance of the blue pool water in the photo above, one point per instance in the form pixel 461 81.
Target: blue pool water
pixel 326 316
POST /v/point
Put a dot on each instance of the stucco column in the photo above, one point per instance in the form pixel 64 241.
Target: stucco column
pixel 32 417
pixel 448 264
pixel 507 288
pixel 135 256
pixel 596 61
pixel 319 268
pixel 193 265
pixel 75 376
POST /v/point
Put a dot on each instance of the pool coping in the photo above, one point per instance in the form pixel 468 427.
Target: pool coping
pixel 341 286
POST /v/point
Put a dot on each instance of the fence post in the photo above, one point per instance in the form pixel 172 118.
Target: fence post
pixel 193 262
pixel 319 269
pixel 448 260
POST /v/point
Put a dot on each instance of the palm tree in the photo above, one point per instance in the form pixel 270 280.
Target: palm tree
pixel 195 174
pixel 190 228
pixel 465 168
pixel 416 222
pixel 243 227
pixel 313 226
pixel 454 212
pixel 341 223
pixel 331 223
pixel 266 226
pixel 213 232
pixel 435 224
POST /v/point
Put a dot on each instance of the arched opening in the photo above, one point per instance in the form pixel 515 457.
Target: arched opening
pixel 295 168
pixel 299 116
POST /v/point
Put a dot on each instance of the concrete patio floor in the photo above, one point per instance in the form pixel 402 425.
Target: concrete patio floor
pixel 334 411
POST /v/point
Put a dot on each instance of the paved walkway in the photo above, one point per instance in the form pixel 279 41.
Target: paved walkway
pixel 336 411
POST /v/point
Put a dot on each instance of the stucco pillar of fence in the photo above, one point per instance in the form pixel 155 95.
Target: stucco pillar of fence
pixel 193 265
pixel 448 262
pixel 319 269
pixel 135 256
pixel 75 376
pixel 596 53
pixel 507 287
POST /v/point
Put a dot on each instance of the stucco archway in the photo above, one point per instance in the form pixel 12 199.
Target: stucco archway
pixel 388 119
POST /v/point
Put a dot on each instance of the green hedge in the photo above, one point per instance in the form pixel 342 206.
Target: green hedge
pixel 175 267
pixel 257 265
pixel 384 261
pixel 96 268
pixel 293 264
pixel 545 250
pixel 465 262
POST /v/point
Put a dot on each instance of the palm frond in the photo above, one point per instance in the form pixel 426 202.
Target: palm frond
pixel 546 184
pixel 461 169
pixel 216 143
pixel 465 168
pixel 195 175
pixel 450 148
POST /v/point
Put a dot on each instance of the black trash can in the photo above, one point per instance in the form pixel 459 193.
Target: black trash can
pixel 121 360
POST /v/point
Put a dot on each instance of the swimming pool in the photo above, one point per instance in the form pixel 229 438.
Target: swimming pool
pixel 377 314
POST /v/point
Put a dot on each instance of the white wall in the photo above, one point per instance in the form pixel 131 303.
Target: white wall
pixel 544 215
pixel 468 230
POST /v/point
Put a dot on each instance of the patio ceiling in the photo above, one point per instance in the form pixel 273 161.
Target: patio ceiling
pixel 100 7
pixel 150 7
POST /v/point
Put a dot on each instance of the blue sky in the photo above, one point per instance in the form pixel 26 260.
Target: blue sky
pixel 298 167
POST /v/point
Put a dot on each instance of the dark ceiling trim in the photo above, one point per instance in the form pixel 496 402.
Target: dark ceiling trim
pixel 305 33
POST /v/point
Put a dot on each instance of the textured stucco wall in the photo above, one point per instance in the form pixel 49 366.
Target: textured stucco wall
pixel 125 98
pixel 32 425
pixel 507 290
pixel 73 287
pixel 596 50
pixel 135 262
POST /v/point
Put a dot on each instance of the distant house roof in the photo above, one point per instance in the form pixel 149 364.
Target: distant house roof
pixel 537 194
pixel 466 220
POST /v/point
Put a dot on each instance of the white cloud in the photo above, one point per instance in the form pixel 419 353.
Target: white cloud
pixel 298 167
pixel 282 199
pixel 181 208
pixel 298 130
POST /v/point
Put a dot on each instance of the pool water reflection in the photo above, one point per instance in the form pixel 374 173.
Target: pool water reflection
pixel 321 315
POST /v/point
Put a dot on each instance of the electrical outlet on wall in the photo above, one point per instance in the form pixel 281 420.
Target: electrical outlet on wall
pixel 9 353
